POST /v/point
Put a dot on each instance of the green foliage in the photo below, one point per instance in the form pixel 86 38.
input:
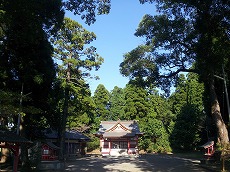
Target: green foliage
pixel 101 100
pixel 138 65
pixel 158 124
pixel 156 138
pixel 147 106
pixel 35 154
pixel 27 29
pixel 136 104
pixel 75 62
pixel 93 144
pixel 187 104
pixel 187 36
pixel 160 67
pixel 187 31
pixel 79 122
pixel 81 108
pixel 187 129
pixel 88 9
pixel 25 55
pixel 117 103
pixel 81 112
pixel 9 103
pixel 180 96
pixel 188 91
pixel 70 47
pixel 160 108
pixel 1 25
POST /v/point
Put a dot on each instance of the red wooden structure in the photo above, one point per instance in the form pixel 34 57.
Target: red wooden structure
pixel 119 137
pixel 49 151
pixel 13 142
pixel 209 149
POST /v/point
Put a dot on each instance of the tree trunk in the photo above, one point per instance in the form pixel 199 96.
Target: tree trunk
pixel 63 125
pixel 24 150
pixel 65 113
pixel 222 132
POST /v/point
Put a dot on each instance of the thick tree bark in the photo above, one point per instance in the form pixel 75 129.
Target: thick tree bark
pixel 222 132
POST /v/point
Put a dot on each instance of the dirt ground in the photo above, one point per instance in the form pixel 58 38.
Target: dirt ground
pixel 94 162
pixel 143 163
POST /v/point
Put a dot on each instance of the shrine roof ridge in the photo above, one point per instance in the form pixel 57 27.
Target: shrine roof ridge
pixel 108 128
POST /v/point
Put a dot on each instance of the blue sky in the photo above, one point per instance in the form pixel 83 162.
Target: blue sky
pixel 115 37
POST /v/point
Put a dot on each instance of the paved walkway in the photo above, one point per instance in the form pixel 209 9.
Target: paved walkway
pixel 144 163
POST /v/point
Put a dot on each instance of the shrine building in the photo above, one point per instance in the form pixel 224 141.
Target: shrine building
pixel 75 143
pixel 119 137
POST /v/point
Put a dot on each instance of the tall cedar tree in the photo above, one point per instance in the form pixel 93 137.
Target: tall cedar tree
pixel 117 103
pixel 187 104
pixel 136 104
pixel 157 124
pixel 101 100
pixel 25 59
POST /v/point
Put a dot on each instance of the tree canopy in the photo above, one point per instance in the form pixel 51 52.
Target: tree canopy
pixel 88 9
pixel 185 33
pixel 46 58
pixel 27 68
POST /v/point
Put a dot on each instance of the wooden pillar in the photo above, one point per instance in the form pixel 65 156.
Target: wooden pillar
pixel 137 150
pixel 109 146
pixel 208 150
pixel 128 146
pixel 101 139
pixel 16 158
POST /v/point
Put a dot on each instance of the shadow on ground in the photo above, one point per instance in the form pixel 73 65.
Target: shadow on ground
pixel 144 163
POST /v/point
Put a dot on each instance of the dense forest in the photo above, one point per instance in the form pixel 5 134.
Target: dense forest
pixel 175 122
pixel 179 77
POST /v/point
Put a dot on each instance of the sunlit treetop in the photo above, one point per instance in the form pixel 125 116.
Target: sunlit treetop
pixel 87 9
